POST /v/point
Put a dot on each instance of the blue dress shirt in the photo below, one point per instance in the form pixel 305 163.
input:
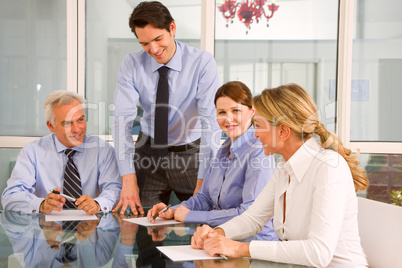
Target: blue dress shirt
pixel 193 81
pixel 40 167
pixel 231 185
pixel 30 243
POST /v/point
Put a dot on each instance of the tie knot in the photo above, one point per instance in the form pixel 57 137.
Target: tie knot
pixel 69 152
pixel 163 70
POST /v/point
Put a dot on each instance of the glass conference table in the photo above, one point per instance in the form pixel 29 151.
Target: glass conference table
pixel 30 241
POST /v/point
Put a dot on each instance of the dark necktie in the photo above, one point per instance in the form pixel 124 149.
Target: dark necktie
pixel 161 113
pixel 72 181
pixel 69 254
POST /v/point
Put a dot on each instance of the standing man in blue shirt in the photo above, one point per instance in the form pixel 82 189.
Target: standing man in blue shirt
pixel 192 132
pixel 41 164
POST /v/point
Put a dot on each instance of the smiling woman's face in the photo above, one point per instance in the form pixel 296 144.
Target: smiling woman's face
pixel 233 118
pixel 267 133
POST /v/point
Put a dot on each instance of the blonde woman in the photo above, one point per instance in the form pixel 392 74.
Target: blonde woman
pixel 312 194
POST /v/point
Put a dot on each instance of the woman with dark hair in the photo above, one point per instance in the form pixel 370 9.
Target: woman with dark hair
pixel 239 172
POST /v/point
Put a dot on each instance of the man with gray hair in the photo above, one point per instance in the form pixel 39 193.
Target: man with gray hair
pixel 66 162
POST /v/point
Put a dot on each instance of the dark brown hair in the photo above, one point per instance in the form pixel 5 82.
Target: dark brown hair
pixel 153 13
pixel 237 91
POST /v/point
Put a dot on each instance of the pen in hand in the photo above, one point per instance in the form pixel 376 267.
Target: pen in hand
pixel 161 211
pixel 72 199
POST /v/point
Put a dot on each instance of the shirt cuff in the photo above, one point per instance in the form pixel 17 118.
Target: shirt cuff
pixel 34 205
pixel 126 167
pixel 196 217
pixel 103 204
pixel 123 253
pixel 263 250
pixel 201 171
pixel 228 229
pixel 124 249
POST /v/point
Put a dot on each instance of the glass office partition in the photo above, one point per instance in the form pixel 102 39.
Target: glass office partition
pixel 377 92
pixel 377 68
pixel 8 157
pixel 32 62
pixel 299 45
pixel 109 39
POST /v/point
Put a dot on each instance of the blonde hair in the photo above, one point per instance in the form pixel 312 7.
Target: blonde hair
pixel 292 106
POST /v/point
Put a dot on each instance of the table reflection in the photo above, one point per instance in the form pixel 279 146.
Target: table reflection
pixel 108 241
pixel 37 243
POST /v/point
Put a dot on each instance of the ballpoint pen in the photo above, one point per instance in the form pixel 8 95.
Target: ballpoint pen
pixel 156 232
pixel 67 239
pixel 223 256
pixel 161 211
pixel 72 199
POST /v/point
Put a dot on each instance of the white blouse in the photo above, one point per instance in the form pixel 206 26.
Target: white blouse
pixel 320 227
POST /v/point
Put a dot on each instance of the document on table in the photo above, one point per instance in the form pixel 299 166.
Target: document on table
pixel 185 253
pixel 158 221
pixel 69 215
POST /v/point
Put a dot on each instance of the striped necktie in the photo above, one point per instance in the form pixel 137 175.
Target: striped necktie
pixel 69 253
pixel 72 181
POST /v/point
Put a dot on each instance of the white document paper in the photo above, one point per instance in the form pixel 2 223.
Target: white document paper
pixel 158 221
pixel 185 253
pixel 69 215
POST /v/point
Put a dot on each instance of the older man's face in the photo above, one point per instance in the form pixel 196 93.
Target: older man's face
pixel 69 124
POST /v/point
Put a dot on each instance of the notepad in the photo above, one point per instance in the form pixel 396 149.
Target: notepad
pixel 158 221
pixel 185 253
pixel 69 215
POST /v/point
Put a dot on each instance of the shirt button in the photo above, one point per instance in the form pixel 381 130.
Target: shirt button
pixel 104 208
pixel 34 210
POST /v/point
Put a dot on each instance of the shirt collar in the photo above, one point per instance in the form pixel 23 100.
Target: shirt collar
pixel 240 145
pixel 60 147
pixel 175 62
pixel 299 162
